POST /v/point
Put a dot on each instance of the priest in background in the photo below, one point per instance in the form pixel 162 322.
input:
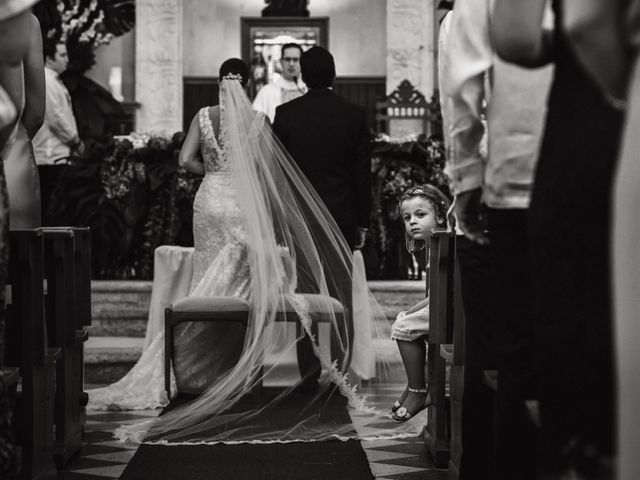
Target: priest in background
pixel 287 87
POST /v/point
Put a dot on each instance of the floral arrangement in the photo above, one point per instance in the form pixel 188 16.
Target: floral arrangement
pixel 132 193
pixel 133 198
pixel 86 24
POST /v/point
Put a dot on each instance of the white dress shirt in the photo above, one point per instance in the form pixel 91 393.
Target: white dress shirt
pixel 59 131
pixel 274 94
pixel 515 103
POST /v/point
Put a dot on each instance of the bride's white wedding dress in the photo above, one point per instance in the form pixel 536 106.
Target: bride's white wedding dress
pixel 220 268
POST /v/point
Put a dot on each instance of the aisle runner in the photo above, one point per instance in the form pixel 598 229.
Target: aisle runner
pixel 298 460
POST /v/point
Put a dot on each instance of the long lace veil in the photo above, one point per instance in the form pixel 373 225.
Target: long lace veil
pixel 295 249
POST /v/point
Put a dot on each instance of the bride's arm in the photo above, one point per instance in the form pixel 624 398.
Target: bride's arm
pixel 189 158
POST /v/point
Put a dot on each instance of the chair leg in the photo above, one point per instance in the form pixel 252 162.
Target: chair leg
pixel 168 349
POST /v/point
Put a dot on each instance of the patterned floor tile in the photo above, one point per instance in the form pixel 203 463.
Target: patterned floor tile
pixel 399 459
pixel 384 469
pixel 110 472
pixel 123 456
pixel 104 458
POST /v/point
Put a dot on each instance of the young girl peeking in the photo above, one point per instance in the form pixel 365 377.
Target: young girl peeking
pixel 423 209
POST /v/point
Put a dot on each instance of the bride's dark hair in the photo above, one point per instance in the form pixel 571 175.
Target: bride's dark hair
pixel 235 66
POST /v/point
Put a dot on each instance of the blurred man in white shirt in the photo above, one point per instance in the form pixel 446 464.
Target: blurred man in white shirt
pixel 59 133
pixel 58 138
pixel 484 94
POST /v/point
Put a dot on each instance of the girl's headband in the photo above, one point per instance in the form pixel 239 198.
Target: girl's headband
pixel 432 193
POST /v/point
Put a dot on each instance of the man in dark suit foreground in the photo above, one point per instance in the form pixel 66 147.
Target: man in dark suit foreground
pixel 329 140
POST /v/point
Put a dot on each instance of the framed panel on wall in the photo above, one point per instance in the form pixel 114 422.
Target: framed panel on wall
pixel 262 39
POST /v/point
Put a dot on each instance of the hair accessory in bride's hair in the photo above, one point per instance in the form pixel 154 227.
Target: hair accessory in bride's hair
pixel 232 76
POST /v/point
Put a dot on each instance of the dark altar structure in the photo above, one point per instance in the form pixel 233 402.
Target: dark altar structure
pixel 286 8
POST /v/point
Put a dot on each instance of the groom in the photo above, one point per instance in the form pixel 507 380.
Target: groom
pixel 329 140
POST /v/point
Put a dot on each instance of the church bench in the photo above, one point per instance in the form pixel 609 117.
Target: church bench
pixel 453 355
pixel 64 267
pixel 28 349
pixel 236 310
pixel 440 282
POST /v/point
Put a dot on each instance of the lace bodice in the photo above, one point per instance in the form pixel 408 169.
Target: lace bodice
pixel 215 159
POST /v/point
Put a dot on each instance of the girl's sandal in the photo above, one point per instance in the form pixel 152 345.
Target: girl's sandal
pixel 402 414
pixel 398 403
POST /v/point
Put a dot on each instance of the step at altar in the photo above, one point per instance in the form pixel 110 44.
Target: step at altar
pixel 119 308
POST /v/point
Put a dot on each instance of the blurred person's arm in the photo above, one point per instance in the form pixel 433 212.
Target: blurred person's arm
pixel 469 57
pixel 34 83
pixel 188 158
pixel 518 33
pixel 8 114
pixel 597 32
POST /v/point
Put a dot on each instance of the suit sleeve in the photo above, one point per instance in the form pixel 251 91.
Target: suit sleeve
pixel 362 172
pixel 278 127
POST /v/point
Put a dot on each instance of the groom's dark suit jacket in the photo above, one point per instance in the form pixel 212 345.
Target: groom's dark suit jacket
pixel 329 139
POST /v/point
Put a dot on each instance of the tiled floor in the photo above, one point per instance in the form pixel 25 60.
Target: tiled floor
pixel 104 458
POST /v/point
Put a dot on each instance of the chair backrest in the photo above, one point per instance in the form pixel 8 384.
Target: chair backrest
pixel 404 111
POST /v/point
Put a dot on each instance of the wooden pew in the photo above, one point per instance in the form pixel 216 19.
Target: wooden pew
pixel 28 348
pixel 63 260
pixel 440 283
pixel 453 354
pixel 82 315
pixel 9 378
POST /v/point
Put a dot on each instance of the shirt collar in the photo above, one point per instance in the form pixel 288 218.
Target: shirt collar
pixel 51 72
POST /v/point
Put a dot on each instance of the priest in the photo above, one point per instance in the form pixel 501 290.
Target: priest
pixel 287 87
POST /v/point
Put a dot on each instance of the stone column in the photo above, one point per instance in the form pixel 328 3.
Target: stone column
pixel 410 44
pixel 159 66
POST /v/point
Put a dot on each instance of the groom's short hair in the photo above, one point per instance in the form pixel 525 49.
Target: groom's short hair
pixel 318 68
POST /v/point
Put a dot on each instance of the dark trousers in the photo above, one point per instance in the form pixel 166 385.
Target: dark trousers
pixel 514 436
pixel 478 399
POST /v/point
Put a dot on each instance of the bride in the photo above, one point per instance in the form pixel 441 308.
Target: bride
pixel 261 233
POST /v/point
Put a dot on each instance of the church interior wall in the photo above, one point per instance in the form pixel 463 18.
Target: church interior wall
pixel 211 34
pixel 120 53
pixel 357 33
